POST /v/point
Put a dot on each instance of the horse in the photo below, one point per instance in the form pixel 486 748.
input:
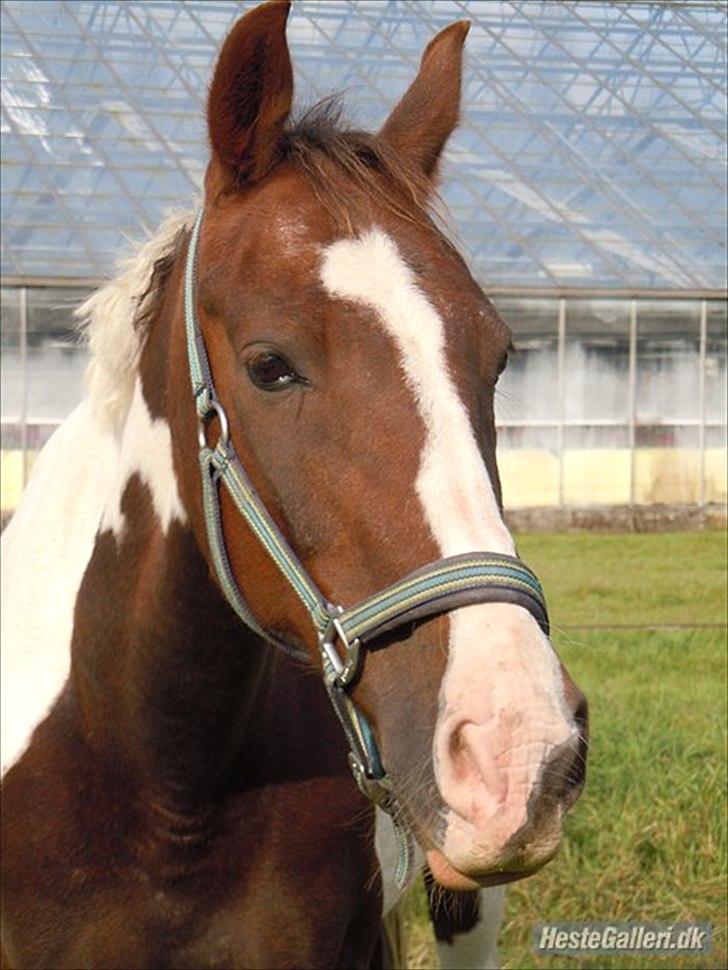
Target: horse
pixel 289 411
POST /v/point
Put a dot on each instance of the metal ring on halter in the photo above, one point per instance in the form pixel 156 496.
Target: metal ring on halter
pixel 219 410
pixel 377 789
pixel 345 670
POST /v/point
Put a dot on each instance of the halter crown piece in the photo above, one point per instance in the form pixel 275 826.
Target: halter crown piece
pixel 479 577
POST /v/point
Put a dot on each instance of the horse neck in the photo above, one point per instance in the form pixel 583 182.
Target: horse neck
pixel 170 684
pixel 166 677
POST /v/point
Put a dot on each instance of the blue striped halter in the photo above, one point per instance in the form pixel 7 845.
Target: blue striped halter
pixel 480 577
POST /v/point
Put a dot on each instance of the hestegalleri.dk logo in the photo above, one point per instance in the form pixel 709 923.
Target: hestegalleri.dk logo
pixel 633 938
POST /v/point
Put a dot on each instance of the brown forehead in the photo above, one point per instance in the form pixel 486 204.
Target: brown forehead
pixel 265 245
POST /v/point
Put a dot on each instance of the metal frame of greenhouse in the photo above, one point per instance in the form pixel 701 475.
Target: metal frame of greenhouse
pixel 590 164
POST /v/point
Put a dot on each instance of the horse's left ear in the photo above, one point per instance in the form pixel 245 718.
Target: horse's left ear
pixel 420 125
pixel 250 97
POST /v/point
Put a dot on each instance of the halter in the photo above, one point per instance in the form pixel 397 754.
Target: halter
pixel 343 633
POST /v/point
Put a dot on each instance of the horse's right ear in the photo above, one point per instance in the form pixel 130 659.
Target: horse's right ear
pixel 420 125
pixel 250 97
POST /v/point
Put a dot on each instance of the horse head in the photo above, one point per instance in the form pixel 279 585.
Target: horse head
pixel 356 359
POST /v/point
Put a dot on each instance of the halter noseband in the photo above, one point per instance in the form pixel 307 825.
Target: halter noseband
pixel 481 577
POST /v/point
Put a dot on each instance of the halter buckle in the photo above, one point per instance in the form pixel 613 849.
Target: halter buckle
pixel 375 789
pixel 214 408
pixel 345 670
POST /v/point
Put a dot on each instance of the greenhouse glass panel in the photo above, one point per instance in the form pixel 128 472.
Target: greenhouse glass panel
pixel 11 385
pixel 596 465
pixel 529 387
pixel 716 371
pixel 596 362
pixel 529 466
pixel 592 146
pixel 667 465
pixel 56 359
pixel 668 365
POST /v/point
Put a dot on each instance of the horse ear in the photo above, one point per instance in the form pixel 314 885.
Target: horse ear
pixel 251 94
pixel 420 125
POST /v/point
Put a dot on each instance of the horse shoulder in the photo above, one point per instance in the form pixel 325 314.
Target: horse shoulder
pixel 45 550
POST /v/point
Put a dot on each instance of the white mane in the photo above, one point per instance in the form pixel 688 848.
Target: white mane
pixel 106 320
pixel 47 544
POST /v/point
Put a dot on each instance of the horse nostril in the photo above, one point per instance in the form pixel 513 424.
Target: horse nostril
pixel 581 715
pixel 468 759
pixel 563 775
pixel 472 769
pixel 576 773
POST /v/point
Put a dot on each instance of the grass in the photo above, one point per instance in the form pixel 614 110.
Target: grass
pixel 660 578
pixel 647 840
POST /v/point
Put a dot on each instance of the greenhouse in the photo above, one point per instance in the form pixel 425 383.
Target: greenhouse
pixel 585 186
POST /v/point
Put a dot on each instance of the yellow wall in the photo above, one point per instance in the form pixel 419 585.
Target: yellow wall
pixel 530 478
pixel 598 476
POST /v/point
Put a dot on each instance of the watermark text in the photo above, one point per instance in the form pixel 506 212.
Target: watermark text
pixel 593 938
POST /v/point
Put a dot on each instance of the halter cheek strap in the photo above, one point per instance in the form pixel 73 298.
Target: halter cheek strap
pixel 343 633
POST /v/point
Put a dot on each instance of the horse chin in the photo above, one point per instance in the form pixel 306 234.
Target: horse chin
pixel 447 876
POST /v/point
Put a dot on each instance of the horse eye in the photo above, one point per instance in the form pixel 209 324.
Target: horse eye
pixel 271 372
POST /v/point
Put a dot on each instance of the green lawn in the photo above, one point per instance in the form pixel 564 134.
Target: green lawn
pixel 660 578
pixel 647 840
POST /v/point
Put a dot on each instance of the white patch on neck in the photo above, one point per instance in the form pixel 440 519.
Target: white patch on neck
pixel 145 450
pixel 452 483
pixel 46 547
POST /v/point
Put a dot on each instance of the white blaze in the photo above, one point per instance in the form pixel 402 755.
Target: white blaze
pixel 503 677
pixel 452 483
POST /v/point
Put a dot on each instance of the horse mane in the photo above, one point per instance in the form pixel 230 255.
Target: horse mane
pixel 114 320
pixel 318 142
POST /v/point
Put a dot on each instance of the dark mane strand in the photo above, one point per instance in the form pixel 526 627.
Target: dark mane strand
pixel 150 300
pixel 319 140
